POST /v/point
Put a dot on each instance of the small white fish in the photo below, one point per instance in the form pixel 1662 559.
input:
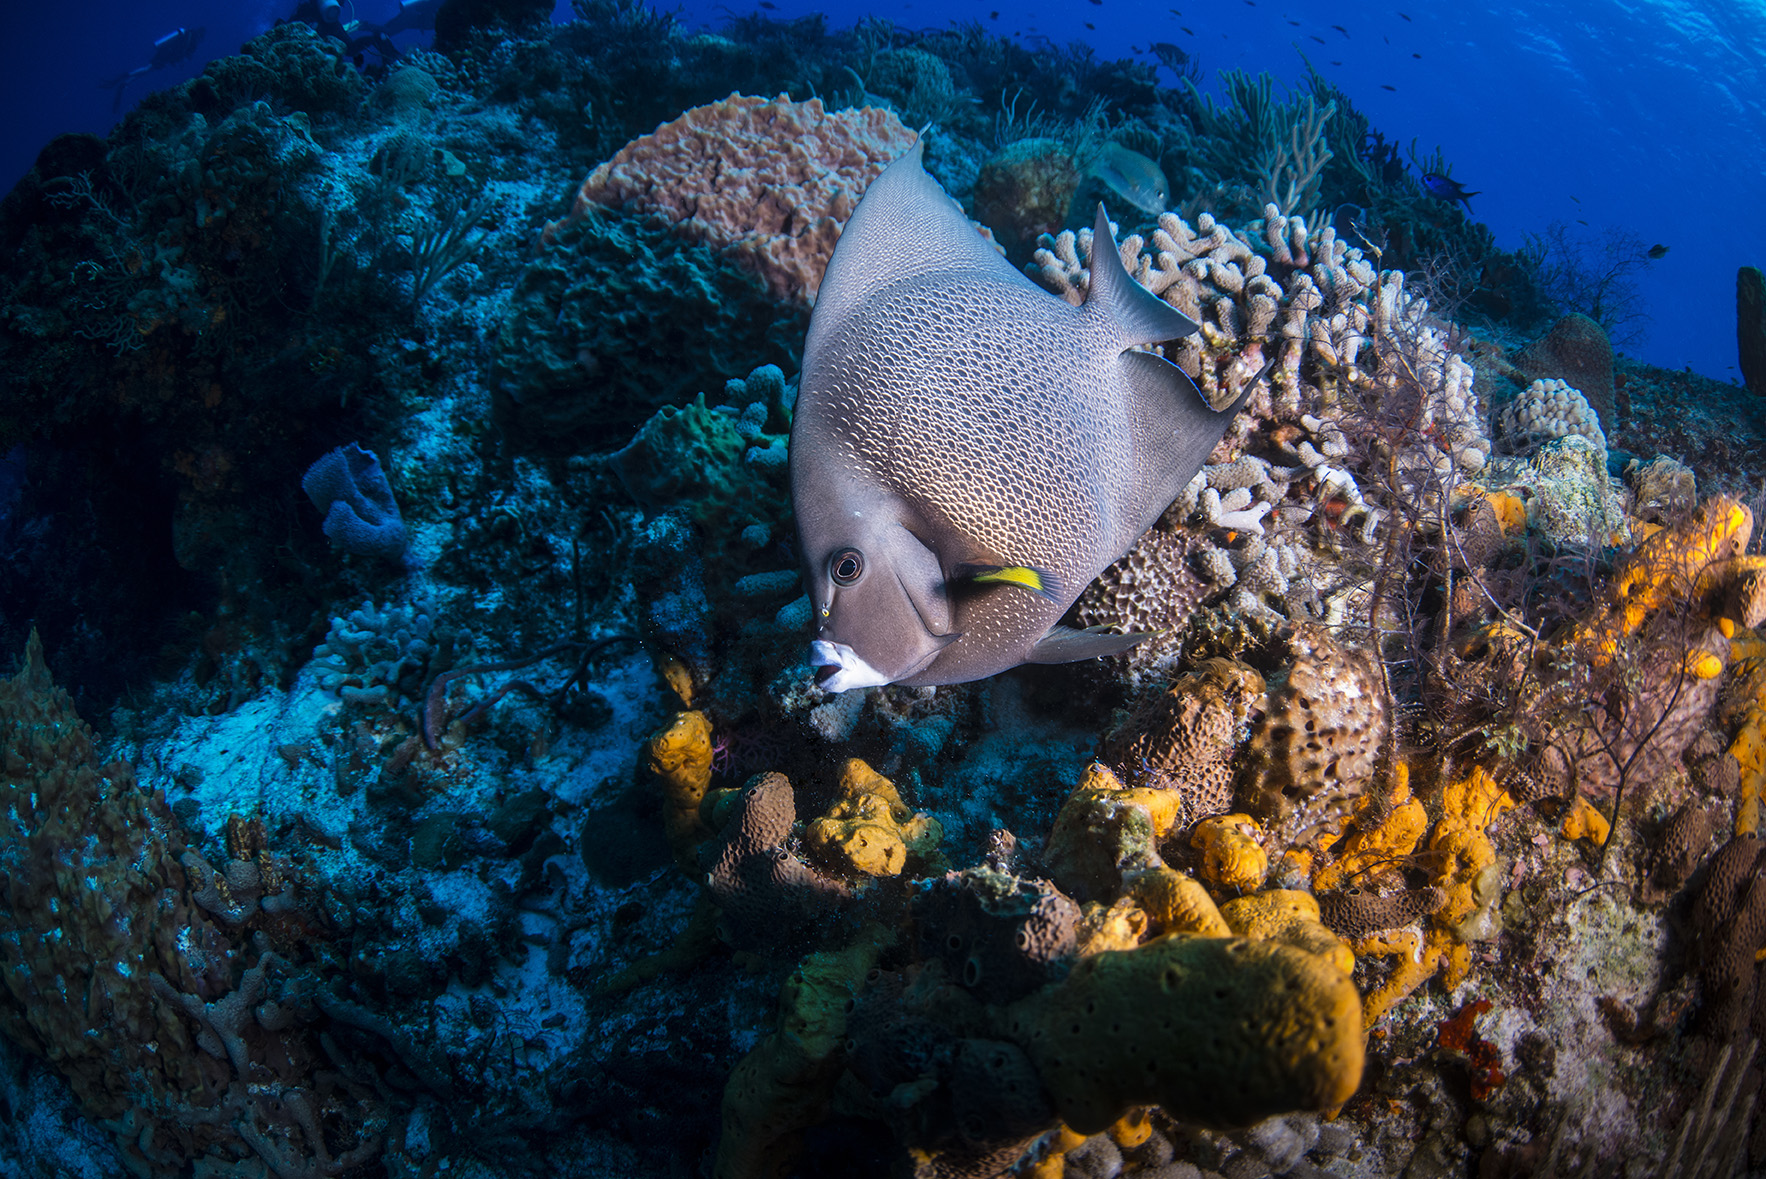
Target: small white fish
pixel 1133 177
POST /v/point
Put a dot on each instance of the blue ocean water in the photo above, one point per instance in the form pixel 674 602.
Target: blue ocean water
pixel 1647 119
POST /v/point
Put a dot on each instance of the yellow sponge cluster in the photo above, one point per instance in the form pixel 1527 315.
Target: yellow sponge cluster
pixel 1671 565
pixel 869 830
pixel 1465 861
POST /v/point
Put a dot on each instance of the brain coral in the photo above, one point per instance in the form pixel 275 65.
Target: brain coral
pixel 768 182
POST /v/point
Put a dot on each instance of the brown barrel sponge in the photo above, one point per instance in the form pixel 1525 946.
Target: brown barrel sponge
pixel 1221 1031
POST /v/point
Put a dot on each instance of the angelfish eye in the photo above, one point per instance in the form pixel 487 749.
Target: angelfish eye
pixel 846 566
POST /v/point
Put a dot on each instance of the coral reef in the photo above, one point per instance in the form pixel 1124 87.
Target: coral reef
pixel 535 848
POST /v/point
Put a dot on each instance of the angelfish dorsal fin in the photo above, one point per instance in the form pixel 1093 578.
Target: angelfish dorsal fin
pixel 1139 316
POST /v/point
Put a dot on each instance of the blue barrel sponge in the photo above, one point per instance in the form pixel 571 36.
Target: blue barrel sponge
pixel 361 517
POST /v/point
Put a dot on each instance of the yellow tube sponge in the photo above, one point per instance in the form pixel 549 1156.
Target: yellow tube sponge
pixel 1106 831
pixel 784 1084
pixel 678 756
pixel 1232 858
pixel 1221 1031
pixel 869 830
pixel 1584 822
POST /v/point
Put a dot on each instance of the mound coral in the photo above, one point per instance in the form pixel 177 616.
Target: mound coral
pixel 768 182
pixel 1182 740
pixel 768 898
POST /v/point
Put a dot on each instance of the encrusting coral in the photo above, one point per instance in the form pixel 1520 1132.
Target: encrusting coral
pixel 770 182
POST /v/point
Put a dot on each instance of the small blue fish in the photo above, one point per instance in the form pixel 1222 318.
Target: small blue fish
pixel 1446 188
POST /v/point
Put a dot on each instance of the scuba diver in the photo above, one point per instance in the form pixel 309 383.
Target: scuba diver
pixel 357 37
pixel 168 50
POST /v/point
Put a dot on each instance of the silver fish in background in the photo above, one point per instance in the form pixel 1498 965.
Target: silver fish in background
pixel 969 451
pixel 1133 177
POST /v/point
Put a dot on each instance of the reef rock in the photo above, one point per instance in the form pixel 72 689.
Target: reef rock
pixel 1750 327
pixel 1577 352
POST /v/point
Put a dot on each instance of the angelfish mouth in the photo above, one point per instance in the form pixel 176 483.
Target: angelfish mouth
pixel 839 668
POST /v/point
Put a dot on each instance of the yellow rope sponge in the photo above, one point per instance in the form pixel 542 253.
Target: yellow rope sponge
pixel 1366 847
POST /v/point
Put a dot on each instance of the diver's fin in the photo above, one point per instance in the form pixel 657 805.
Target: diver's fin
pixel 1043 584
pixel 1063 644
pixel 1139 316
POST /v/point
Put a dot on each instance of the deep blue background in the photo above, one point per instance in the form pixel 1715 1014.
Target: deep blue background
pixel 1645 116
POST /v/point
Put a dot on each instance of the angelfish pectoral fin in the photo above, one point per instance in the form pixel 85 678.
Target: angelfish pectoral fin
pixel 1063 644
pixel 1023 576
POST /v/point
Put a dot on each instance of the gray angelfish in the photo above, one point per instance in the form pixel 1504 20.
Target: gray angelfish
pixel 969 451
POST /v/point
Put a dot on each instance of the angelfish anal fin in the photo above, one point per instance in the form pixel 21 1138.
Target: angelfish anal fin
pixel 1038 582
pixel 1063 644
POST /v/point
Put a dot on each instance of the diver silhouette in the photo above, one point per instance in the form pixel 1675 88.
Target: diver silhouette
pixel 168 50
